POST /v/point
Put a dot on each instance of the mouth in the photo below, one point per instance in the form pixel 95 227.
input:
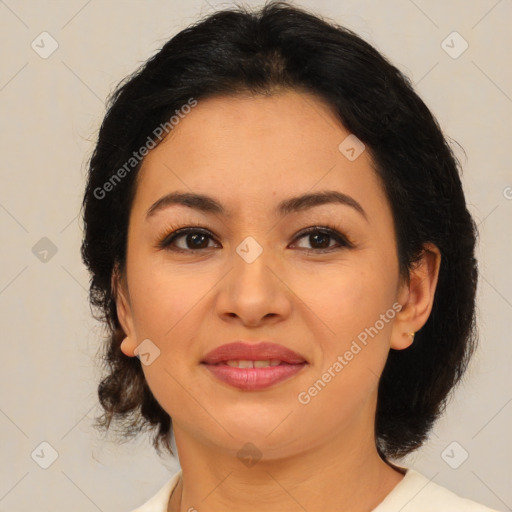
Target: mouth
pixel 247 363
pixel 253 367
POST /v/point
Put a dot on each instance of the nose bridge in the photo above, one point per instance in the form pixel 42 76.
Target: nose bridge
pixel 252 290
pixel 252 261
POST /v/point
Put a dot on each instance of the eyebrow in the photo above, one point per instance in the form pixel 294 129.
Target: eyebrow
pixel 207 204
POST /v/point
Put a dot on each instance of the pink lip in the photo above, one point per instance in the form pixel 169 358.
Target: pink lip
pixel 251 379
pixel 252 352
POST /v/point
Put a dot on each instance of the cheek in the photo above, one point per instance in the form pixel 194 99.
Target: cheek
pixel 355 303
pixel 353 356
pixel 161 299
pixel 349 296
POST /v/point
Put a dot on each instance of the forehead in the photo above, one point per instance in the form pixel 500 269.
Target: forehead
pixel 257 148
pixel 249 123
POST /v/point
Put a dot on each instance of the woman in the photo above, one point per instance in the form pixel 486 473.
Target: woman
pixel 280 245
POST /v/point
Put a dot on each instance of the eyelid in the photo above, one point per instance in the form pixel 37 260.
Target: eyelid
pixel 171 233
pixel 167 237
pixel 329 230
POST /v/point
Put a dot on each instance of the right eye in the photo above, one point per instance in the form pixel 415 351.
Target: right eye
pixel 194 240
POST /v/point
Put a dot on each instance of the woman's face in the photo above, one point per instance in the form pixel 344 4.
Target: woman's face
pixel 250 274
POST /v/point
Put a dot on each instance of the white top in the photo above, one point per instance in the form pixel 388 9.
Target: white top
pixel 414 493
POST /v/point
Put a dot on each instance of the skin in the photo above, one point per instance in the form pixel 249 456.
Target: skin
pixel 251 152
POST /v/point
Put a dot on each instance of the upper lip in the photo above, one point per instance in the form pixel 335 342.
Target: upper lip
pixel 262 351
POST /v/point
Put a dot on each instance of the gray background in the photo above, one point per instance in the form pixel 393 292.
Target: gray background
pixel 50 112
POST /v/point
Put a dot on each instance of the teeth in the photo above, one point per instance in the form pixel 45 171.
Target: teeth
pixel 253 364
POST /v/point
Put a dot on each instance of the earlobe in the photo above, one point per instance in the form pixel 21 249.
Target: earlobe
pixel 418 295
pixel 124 314
pixel 402 340
pixel 128 347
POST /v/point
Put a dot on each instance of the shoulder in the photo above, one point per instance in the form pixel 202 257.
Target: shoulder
pixel 416 493
pixel 159 502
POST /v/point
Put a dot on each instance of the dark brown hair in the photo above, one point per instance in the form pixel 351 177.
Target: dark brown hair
pixel 284 47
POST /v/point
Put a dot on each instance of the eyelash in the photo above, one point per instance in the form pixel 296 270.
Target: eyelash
pixel 171 234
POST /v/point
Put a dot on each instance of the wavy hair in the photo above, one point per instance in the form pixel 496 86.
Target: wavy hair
pixel 279 47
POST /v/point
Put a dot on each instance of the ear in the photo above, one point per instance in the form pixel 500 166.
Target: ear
pixel 124 312
pixel 416 297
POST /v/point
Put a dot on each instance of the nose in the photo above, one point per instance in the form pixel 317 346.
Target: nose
pixel 254 291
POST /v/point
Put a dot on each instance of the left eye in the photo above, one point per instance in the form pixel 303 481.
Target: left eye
pixel 318 236
pixel 198 239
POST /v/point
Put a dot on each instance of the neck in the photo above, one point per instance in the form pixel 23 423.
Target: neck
pixel 343 473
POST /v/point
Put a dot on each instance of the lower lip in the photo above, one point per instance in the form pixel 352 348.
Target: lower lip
pixel 253 379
